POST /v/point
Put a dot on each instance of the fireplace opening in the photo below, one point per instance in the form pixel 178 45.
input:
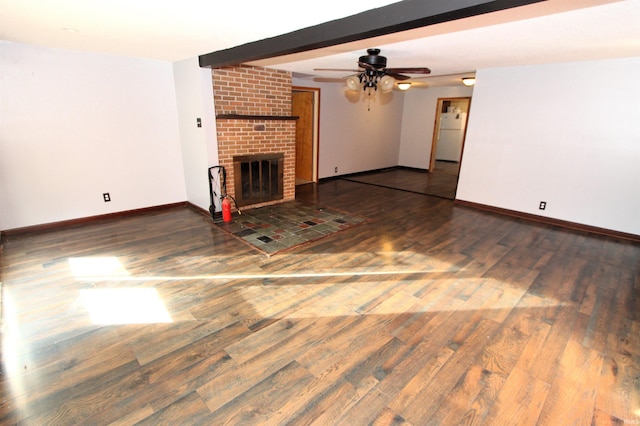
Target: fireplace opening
pixel 258 178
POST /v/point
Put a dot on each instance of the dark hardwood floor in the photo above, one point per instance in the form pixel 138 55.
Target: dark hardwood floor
pixel 428 314
pixel 441 182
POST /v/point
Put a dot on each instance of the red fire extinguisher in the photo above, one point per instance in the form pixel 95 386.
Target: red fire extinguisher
pixel 226 210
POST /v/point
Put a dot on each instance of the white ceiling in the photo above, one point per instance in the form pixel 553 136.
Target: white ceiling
pixel 547 32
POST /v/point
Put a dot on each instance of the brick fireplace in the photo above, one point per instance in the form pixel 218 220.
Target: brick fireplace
pixel 253 118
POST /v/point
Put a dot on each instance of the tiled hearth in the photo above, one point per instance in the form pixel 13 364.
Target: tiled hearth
pixel 273 229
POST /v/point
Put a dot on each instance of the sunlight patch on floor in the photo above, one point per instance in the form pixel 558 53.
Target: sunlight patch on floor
pixel 109 306
pixel 421 289
pixel 319 265
pixel 355 299
pixel 257 276
pixel 14 356
pixel 108 266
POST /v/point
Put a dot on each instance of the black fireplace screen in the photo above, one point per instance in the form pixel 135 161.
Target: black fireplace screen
pixel 258 178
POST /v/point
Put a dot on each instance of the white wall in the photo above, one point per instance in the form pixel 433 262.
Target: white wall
pixel 194 93
pixel 74 125
pixel 356 136
pixel 573 140
pixel 418 122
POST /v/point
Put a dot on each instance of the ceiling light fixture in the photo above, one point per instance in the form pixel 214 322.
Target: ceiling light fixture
pixel 469 81
pixel 370 79
pixel 404 86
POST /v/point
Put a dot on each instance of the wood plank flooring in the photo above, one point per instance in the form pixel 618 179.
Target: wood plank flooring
pixel 441 182
pixel 428 314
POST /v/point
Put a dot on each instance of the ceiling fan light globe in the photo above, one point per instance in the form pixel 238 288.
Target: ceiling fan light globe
pixel 404 86
pixel 352 83
pixel 386 83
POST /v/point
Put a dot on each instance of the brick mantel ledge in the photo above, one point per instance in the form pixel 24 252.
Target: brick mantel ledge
pixel 255 117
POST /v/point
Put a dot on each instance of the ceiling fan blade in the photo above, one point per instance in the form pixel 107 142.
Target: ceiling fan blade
pixel 366 66
pixel 328 80
pixel 335 69
pixel 399 77
pixel 420 70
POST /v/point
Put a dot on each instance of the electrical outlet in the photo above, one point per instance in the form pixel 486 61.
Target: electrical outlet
pixel 335 170
pixel 543 205
pixel 106 197
pixel 199 122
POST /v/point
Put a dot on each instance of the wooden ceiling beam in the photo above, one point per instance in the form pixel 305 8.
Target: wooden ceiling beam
pixel 396 17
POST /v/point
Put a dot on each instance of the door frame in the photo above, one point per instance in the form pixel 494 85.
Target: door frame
pixel 316 126
pixel 436 130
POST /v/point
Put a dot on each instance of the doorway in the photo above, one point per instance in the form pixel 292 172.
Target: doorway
pixel 305 103
pixel 449 132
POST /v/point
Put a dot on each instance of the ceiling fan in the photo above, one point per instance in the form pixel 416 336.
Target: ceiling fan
pixel 373 71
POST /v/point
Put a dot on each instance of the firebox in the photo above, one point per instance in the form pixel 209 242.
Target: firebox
pixel 258 178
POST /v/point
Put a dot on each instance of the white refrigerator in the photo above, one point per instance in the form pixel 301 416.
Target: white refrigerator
pixel 450 136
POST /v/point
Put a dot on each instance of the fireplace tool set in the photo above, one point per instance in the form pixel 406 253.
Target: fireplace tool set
pixel 218 174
